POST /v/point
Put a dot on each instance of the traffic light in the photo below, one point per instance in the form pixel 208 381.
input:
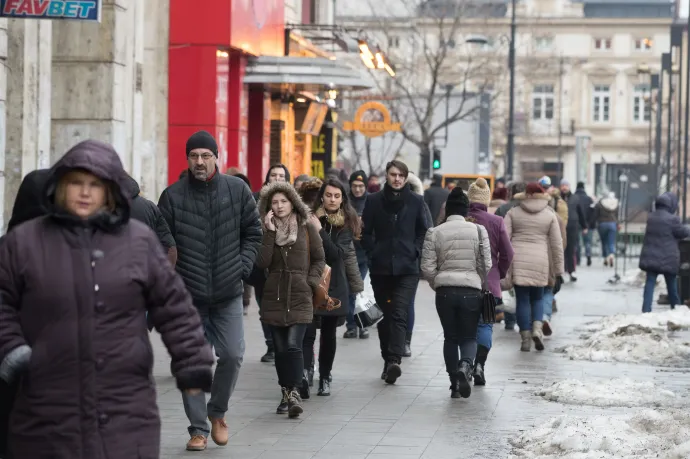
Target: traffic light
pixel 436 164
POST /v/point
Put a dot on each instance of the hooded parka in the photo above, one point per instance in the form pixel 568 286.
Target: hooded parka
pixel 294 271
pixel 660 252
pixel 76 292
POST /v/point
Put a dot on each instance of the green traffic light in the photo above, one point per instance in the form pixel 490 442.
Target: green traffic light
pixel 437 164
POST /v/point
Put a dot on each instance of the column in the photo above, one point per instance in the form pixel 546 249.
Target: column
pixel 238 113
pixel 28 103
pixel 259 137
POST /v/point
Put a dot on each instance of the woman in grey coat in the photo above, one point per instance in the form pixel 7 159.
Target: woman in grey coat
pixel 660 252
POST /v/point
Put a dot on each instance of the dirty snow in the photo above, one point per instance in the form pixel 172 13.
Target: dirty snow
pixel 637 278
pixel 649 434
pixel 639 338
pixel 623 392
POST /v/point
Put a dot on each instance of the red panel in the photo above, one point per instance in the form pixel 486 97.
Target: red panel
pixel 237 116
pixel 192 85
pixel 258 27
pixel 190 23
pixel 259 137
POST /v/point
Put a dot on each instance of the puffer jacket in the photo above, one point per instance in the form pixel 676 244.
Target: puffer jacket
pixel 450 257
pixel 293 271
pixel 606 210
pixel 217 231
pixel 537 240
pixel 660 252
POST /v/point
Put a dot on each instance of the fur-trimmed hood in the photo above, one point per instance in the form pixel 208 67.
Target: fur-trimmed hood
pixel 416 185
pixel 266 195
pixel 609 203
pixel 533 203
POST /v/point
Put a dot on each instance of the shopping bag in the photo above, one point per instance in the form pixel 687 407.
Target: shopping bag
pixel 367 312
pixel 508 301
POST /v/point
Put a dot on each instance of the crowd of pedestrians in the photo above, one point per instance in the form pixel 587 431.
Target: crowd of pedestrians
pixel 89 267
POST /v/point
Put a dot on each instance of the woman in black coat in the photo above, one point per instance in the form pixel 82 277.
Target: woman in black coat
pixel 338 224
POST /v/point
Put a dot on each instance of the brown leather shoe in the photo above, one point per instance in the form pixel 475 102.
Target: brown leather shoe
pixel 219 431
pixel 196 443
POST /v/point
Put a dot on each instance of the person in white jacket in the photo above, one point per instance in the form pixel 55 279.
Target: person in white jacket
pixel 452 264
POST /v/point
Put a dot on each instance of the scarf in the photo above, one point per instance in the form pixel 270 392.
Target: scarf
pixel 336 219
pixel 286 230
pixel 394 199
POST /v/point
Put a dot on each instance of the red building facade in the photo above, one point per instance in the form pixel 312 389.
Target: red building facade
pixel 208 52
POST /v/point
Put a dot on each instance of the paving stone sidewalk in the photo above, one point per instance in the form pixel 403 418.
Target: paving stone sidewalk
pixel 416 418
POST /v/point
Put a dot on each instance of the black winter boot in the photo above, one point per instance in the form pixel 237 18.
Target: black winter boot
pixel 464 377
pixel 283 406
pixel 393 372
pixel 324 387
pixel 294 403
pixel 384 373
pixel 479 362
pixel 407 352
pixel 304 391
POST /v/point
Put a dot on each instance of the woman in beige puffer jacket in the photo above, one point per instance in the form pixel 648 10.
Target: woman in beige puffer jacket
pixel 536 238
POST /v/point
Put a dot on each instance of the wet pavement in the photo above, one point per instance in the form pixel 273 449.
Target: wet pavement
pixel 416 418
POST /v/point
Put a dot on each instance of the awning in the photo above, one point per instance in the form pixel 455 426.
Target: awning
pixel 306 73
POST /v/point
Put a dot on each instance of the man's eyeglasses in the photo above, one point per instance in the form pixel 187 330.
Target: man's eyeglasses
pixel 196 156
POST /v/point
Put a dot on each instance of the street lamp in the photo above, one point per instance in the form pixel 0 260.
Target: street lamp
pixel 643 75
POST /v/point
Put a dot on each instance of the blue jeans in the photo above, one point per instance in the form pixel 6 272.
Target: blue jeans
pixel 529 306
pixel 509 319
pixel 363 269
pixel 410 314
pixel 547 302
pixel 648 295
pixel 485 334
pixel 607 234
pixel 587 242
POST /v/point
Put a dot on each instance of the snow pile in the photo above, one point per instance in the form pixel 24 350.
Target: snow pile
pixel 636 278
pixel 648 434
pixel 641 338
pixel 607 393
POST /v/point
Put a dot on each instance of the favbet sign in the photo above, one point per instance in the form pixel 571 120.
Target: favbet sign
pixel 81 10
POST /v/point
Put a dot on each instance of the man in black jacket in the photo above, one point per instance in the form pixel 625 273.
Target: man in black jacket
pixel 435 198
pixel 576 223
pixel 394 227
pixel 215 223
pixel 587 205
pixel 358 198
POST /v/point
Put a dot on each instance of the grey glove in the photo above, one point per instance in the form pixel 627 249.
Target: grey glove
pixel 15 363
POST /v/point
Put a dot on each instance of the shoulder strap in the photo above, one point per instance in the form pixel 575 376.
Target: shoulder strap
pixel 482 264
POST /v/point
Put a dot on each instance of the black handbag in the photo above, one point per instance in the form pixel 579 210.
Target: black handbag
pixel 487 298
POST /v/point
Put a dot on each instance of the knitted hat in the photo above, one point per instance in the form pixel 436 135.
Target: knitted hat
pixel 580 185
pixel 479 192
pixel 359 176
pixel 565 182
pixel 457 203
pixel 545 181
pixel 534 188
pixel 202 139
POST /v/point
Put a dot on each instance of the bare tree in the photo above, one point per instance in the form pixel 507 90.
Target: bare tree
pixel 373 154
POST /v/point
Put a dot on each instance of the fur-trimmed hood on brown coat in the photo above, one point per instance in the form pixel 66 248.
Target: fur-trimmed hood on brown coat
pixel 299 207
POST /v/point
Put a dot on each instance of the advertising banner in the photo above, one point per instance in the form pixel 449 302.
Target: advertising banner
pixel 80 10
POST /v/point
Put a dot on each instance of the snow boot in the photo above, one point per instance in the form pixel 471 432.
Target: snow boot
pixel 479 362
pixel 464 377
pixel 538 335
pixel 526 336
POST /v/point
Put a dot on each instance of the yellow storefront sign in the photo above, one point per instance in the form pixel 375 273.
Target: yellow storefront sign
pixel 372 119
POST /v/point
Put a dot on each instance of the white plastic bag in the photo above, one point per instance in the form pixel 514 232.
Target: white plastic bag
pixel 363 302
pixel 367 312
pixel 509 301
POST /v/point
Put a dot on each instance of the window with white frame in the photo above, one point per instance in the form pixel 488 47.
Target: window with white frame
pixel 643 44
pixel 642 109
pixel 543 43
pixel 602 44
pixel 542 102
pixel 601 103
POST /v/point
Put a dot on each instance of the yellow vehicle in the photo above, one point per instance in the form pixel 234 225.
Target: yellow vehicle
pixel 464 180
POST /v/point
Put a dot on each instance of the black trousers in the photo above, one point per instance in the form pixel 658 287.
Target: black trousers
pixel 287 342
pixel 459 309
pixel 394 295
pixel 7 395
pixel 573 237
pixel 327 344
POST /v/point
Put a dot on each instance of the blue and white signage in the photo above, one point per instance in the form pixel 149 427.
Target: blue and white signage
pixel 80 10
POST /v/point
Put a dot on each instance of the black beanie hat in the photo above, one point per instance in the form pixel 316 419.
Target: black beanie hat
pixel 360 176
pixel 457 203
pixel 202 139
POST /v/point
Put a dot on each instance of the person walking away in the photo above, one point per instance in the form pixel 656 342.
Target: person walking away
pixel 558 205
pixel 587 205
pixel 435 197
pixel 660 252
pixel 337 224
pixel 417 187
pixel 498 198
pixel 452 264
pixel 394 226
pixel 536 239
pixel 276 173
pixel 576 223
pixel 84 315
pixel 514 189
pixel 27 206
pixel 292 253
pixel 216 227
pixel 605 217
pixel 358 199
pixel 501 259
pixel 555 281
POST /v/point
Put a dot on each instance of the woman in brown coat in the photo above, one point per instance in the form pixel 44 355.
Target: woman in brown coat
pixel 536 238
pixel 75 286
pixel 293 255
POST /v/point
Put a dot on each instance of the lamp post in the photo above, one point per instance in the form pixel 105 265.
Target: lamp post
pixel 510 144
pixel 667 67
pixel 677 46
pixel 643 74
